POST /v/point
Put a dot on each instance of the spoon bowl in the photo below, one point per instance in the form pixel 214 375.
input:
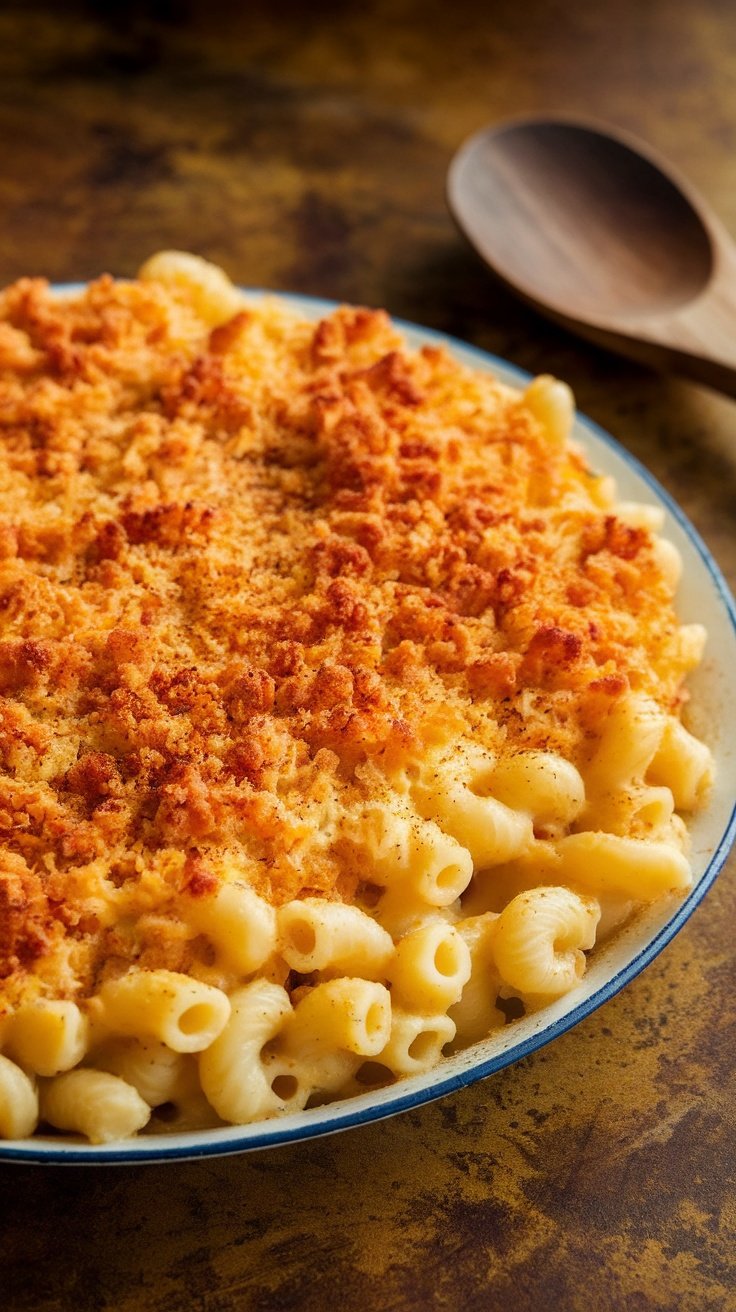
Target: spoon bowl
pixel 589 227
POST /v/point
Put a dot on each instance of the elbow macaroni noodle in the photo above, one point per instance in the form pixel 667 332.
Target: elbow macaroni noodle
pixel 480 870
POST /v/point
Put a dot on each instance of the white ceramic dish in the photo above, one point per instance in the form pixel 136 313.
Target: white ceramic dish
pixel 703 596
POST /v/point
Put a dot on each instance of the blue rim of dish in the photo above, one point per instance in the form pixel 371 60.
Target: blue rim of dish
pixel 150 1151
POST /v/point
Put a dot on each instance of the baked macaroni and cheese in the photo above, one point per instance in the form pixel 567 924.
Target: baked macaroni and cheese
pixel 339 705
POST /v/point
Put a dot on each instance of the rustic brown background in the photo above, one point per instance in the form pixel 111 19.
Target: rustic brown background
pixel 308 151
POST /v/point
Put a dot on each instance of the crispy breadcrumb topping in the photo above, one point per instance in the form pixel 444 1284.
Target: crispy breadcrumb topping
pixel 249 571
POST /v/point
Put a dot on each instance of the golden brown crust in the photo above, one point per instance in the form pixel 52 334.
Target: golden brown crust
pixel 236 562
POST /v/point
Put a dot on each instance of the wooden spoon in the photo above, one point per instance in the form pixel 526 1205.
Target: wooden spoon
pixel 596 232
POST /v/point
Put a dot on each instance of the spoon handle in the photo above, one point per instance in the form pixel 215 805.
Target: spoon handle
pixel 699 338
pixel 699 342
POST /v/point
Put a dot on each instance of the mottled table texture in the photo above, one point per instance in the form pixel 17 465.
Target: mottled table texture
pixel 305 146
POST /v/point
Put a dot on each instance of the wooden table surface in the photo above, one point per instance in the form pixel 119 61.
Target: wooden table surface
pixel 309 152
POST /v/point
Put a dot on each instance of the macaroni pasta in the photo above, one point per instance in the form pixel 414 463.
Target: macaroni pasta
pixel 339 705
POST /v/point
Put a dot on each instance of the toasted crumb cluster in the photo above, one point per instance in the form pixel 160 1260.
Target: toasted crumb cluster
pixel 246 572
